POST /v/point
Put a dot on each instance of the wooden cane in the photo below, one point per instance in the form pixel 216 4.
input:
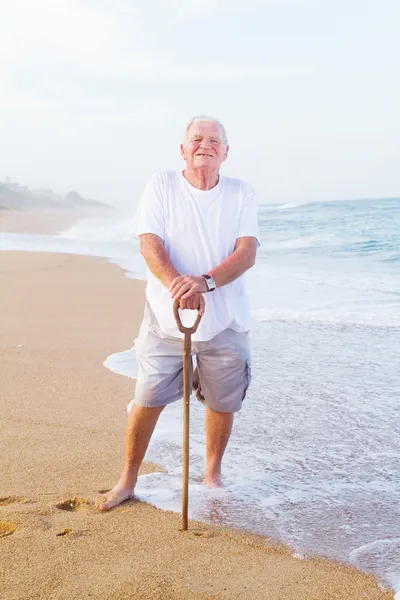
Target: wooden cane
pixel 187 373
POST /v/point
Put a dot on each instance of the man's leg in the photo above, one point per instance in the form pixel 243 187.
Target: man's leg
pixel 223 376
pixel 141 423
pixel 218 431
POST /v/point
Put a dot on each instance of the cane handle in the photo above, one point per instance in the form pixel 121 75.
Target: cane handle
pixel 181 327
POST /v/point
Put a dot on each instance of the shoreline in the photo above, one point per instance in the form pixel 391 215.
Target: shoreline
pixel 35 505
pixel 43 222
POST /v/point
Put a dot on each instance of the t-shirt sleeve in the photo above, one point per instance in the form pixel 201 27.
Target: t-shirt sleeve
pixel 150 216
pixel 248 220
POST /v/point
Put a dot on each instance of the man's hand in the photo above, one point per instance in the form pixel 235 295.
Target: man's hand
pixel 195 302
pixel 185 286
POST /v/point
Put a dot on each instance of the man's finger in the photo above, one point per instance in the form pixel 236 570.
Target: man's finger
pixel 180 290
pixel 175 281
pixel 176 287
pixel 194 301
pixel 191 292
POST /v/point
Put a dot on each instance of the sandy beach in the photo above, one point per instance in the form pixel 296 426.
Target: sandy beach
pixel 43 222
pixel 63 418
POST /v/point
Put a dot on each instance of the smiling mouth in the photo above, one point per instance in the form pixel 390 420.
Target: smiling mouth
pixel 202 154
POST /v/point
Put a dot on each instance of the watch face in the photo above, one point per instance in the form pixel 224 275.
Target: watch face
pixel 210 283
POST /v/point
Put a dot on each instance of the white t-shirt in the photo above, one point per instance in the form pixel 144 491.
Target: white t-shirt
pixel 199 229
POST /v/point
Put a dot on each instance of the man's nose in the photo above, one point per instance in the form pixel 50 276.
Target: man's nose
pixel 205 143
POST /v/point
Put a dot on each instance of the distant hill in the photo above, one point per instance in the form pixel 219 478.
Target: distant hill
pixel 17 197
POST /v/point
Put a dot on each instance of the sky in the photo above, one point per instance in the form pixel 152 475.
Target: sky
pixel 95 94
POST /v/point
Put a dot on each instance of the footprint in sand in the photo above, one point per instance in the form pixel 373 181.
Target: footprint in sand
pixel 202 533
pixel 6 528
pixel 65 531
pixel 11 500
pixel 72 504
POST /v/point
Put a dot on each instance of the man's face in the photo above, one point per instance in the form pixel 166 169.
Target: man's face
pixel 204 147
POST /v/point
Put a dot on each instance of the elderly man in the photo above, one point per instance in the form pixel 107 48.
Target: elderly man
pixel 198 235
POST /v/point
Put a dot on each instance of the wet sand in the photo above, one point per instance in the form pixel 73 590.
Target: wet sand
pixel 63 418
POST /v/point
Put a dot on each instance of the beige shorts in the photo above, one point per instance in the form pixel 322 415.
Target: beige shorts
pixel 221 378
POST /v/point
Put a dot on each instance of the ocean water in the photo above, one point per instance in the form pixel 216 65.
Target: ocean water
pixel 315 452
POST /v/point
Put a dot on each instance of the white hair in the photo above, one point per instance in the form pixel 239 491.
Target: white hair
pixel 202 118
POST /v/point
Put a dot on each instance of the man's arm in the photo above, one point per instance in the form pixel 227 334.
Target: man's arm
pixel 242 258
pixel 158 260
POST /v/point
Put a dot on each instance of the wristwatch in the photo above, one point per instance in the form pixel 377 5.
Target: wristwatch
pixel 210 282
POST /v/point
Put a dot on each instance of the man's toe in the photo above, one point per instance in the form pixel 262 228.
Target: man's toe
pixel 111 500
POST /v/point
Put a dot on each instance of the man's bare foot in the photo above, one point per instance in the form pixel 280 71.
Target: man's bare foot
pixel 213 480
pixel 114 497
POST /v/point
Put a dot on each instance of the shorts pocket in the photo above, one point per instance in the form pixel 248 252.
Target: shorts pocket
pixel 247 378
pixel 196 387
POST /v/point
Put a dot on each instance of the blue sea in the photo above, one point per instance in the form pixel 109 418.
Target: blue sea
pixel 315 452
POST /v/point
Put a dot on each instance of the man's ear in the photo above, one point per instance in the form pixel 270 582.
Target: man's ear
pixel 183 151
pixel 226 152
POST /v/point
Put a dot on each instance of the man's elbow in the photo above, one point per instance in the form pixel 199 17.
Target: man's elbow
pixel 149 244
pixel 247 249
pixel 250 257
pixel 251 260
pixel 144 250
